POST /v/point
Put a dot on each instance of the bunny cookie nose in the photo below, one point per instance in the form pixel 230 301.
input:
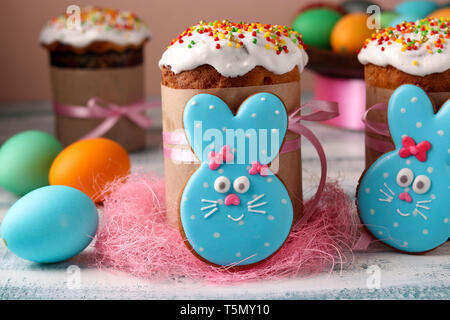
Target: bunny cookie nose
pixel 232 199
pixel 404 196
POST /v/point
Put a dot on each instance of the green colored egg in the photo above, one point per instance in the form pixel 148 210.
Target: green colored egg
pixel 316 26
pixel 25 161
pixel 386 18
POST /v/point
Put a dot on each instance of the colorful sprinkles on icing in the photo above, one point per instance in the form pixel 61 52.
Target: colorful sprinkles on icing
pixel 235 48
pixel 232 34
pixel 410 46
pixel 424 28
pixel 103 18
pixel 102 24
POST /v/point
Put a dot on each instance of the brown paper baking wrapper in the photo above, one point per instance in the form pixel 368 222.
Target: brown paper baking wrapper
pixel 376 95
pixel 177 174
pixel 121 86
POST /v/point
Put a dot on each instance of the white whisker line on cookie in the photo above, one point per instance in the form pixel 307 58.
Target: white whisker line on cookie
pixel 392 192
pixel 257 205
pixel 210 201
pixel 389 199
pixel 211 212
pixel 256 211
pixel 209 207
pixel 416 211
pixel 235 219
pixel 256 199
pixel 425 201
pixel 423 207
pixel 385 193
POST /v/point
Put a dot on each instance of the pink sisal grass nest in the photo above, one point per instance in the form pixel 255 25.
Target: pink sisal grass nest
pixel 135 238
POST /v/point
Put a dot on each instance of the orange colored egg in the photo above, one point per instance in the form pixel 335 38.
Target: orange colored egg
pixel 441 13
pixel 349 34
pixel 89 165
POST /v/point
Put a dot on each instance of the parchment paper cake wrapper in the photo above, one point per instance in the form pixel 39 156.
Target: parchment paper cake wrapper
pixel 120 86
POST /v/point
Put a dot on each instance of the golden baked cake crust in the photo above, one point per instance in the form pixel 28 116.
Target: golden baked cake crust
pixel 206 77
pixel 391 78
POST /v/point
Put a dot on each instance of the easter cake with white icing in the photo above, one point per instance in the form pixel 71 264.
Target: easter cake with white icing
pixel 93 37
pixel 415 53
pixel 233 62
pixel 225 54
pixel 96 54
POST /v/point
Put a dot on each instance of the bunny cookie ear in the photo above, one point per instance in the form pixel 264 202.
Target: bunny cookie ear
pixel 256 133
pixel 264 115
pixel 410 113
pixel 204 119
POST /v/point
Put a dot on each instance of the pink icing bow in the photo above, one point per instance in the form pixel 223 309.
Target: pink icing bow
pixel 216 159
pixel 410 148
pixel 258 168
pixel 111 113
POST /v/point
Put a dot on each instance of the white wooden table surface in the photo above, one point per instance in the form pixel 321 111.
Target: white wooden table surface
pixel 401 276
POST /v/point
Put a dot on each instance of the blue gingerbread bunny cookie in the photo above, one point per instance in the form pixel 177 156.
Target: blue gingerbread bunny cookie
pixel 233 209
pixel 403 199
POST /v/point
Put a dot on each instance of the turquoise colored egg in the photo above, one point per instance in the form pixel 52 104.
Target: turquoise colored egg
pixel 386 18
pixel 405 17
pixel 25 161
pixel 419 8
pixel 50 224
pixel 316 25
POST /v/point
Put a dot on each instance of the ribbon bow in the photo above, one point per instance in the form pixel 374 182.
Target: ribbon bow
pixel 217 158
pixel 258 168
pixel 97 108
pixel 410 148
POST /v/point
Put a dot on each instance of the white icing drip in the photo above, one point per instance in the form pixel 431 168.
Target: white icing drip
pixel 82 38
pixel 232 61
pixel 403 60
pixel 88 33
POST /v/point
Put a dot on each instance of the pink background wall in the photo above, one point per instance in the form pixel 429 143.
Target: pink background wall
pixel 24 64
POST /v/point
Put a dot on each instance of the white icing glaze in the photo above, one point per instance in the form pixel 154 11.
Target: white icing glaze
pixel 57 30
pixel 418 62
pixel 232 61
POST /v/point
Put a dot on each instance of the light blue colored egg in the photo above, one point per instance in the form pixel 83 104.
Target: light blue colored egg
pixel 405 17
pixel 50 224
pixel 419 8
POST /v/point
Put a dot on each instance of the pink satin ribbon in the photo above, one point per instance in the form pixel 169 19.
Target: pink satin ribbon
pixel 179 139
pixel 97 108
pixel 364 241
pixel 320 111
pixel 350 94
pixel 381 129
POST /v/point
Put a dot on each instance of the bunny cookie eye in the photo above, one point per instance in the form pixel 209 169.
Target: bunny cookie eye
pixel 405 177
pixel 222 184
pixel 421 184
pixel 241 184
